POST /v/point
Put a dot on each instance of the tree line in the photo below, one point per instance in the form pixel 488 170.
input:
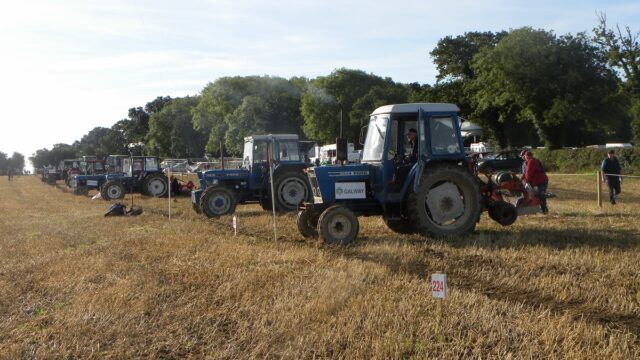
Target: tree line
pixel 15 162
pixel 523 86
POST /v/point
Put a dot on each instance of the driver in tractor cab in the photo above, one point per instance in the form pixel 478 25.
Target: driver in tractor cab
pixel 412 140
pixel 403 167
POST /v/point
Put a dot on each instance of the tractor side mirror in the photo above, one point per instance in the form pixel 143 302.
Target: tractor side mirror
pixel 342 152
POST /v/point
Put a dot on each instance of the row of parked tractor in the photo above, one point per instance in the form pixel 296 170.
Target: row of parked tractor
pixel 112 177
pixel 423 184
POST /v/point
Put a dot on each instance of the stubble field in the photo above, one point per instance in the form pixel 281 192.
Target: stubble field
pixel 76 284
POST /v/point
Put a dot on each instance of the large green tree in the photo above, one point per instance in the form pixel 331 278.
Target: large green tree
pixel 622 49
pixel 560 85
pixel 157 104
pixel 171 133
pixel 101 141
pixel 4 165
pixel 16 162
pixel 453 57
pixel 134 129
pixel 219 115
pixel 46 157
pixel 327 96
pixel 378 95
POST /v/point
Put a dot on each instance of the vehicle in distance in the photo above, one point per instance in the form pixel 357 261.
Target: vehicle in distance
pixel 504 160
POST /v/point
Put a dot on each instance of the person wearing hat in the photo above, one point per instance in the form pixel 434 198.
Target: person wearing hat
pixel 611 170
pixel 535 176
pixel 412 140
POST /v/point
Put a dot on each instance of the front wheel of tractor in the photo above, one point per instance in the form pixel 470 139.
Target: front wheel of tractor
pixel 338 225
pixel 217 201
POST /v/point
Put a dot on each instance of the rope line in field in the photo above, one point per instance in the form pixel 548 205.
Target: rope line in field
pixel 591 174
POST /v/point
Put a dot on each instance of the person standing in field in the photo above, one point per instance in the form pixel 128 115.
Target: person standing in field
pixel 610 170
pixel 535 176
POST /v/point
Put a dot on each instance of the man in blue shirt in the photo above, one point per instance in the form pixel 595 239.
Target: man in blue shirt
pixel 611 170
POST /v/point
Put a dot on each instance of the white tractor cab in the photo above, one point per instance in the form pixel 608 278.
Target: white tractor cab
pixel 329 154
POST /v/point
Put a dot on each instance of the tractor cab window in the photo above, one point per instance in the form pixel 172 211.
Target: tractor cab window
pixel 374 142
pixel 247 155
pixel 126 166
pixel 443 135
pixel 137 165
pixel 151 164
pixel 393 145
pixel 288 151
pixel 114 164
pixel 260 152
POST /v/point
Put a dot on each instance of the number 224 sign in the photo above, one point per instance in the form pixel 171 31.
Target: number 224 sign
pixel 439 286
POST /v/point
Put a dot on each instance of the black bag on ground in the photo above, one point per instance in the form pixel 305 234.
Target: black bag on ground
pixel 117 209
pixel 134 211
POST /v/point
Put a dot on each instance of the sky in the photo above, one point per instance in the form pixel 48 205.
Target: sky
pixel 69 66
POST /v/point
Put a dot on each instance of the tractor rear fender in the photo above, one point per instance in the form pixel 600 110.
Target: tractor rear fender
pixel 286 167
pixel 215 177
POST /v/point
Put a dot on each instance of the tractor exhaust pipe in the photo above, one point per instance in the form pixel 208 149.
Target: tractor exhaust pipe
pixel 342 151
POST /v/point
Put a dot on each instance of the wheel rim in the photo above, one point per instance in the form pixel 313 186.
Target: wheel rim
pixel 292 191
pixel 339 226
pixel 114 192
pixel 156 187
pixel 219 203
pixel 445 204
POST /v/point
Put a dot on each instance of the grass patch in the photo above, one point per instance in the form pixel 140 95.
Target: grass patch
pixel 76 284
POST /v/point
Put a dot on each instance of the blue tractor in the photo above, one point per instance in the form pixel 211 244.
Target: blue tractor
pixel 221 190
pixel 426 186
pixel 137 174
pixel 94 173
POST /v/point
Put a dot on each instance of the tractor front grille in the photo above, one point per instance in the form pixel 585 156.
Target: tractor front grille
pixel 313 181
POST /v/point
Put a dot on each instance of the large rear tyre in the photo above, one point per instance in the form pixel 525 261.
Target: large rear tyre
pixel 156 185
pixel 112 190
pixel 338 225
pixel 307 222
pixel 401 226
pixel 217 201
pixel 447 203
pixel 291 189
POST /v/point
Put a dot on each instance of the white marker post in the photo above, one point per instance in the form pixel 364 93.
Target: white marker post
pixel 169 183
pixel 234 223
pixel 439 288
